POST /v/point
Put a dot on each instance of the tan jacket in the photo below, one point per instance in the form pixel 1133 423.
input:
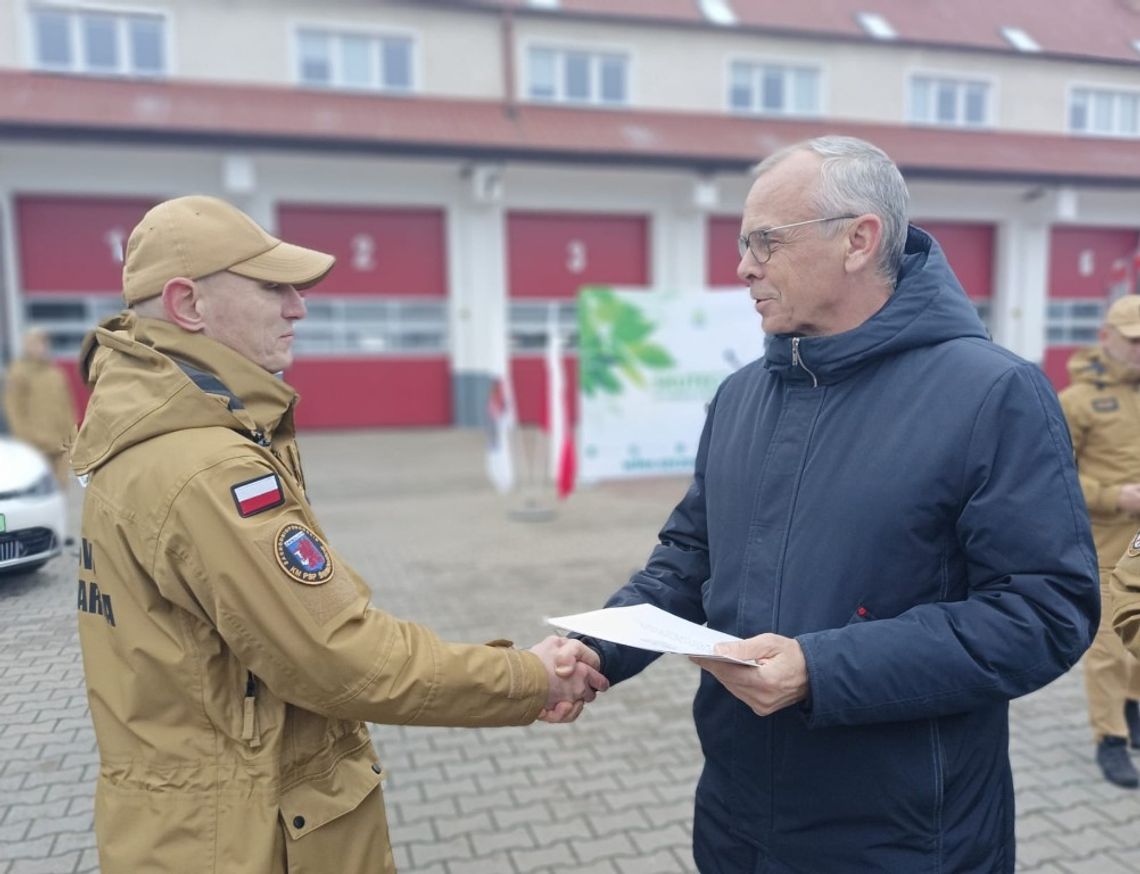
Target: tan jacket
pixel 1124 586
pixel 38 405
pixel 230 653
pixel 1102 407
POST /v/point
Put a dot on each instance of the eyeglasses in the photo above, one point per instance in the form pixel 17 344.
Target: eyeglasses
pixel 759 243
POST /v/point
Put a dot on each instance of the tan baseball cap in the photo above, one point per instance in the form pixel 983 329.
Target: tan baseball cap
pixel 1124 315
pixel 196 235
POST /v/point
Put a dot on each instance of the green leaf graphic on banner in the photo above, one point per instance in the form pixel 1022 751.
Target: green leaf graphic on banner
pixel 613 342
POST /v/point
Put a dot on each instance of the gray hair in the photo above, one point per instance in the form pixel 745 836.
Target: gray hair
pixel 857 177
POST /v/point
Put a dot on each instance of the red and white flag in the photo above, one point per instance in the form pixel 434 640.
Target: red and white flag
pixel 256 495
pixel 500 421
pixel 1119 279
pixel 557 421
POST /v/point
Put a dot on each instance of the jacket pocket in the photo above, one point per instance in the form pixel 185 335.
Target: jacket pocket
pixel 340 816
pixel 250 727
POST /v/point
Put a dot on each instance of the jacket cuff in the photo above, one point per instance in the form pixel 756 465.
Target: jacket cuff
pixel 1108 500
pixel 528 680
pixel 527 673
pixel 810 707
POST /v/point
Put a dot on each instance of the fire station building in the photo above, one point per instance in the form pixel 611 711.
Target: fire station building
pixel 473 164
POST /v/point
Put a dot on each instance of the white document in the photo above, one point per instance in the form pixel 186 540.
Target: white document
pixel 647 627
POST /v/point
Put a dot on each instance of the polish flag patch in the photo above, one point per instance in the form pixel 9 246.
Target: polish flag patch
pixel 258 495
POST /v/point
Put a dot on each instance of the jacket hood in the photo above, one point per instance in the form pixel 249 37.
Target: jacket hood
pixel 150 377
pixel 1092 366
pixel 928 306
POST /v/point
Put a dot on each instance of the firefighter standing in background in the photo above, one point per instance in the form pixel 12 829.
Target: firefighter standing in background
pixel 1102 406
pixel 38 403
pixel 231 655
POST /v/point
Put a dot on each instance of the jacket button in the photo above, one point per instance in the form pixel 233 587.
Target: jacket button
pixel 377 768
pixel 298 822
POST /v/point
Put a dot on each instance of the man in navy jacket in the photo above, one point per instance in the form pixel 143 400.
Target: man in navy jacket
pixel 886 509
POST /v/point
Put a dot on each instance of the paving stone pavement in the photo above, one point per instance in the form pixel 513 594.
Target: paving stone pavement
pixel 611 794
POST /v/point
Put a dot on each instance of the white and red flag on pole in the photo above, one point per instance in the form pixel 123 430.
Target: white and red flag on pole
pixel 500 421
pixel 1119 280
pixel 557 420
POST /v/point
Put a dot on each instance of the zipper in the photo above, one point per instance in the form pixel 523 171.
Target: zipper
pixel 295 463
pixel 289 459
pixel 249 730
pixel 799 362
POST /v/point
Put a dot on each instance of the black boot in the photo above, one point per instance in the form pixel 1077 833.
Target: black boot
pixel 1112 756
pixel 1132 716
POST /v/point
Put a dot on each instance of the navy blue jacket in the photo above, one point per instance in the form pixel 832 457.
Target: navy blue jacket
pixel 903 501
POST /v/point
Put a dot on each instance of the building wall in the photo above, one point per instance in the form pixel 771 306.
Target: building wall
pixel 456 54
pixel 687 69
pixel 1003 233
pixel 685 243
pixel 460 54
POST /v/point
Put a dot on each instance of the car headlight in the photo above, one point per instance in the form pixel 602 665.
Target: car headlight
pixel 43 487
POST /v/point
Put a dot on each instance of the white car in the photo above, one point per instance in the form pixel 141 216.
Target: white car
pixel 33 516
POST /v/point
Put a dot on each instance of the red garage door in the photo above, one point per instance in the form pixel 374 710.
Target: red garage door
pixel 1087 268
pixel 969 248
pixel 373 349
pixel 549 257
pixel 723 255
pixel 71 265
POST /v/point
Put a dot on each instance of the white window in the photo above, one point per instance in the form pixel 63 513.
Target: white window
pixel 1020 39
pixel 67 318
pixel 1073 322
pixel 529 323
pixel 577 76
pixel 876 25
pixel 774 89
pixel 953 102
pixel 94 41
pixel 371 62
pixel 718 12
pixel 334 326
pixel 367 325
pixel 1101 111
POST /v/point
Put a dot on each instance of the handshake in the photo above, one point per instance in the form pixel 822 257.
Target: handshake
pixel 572 670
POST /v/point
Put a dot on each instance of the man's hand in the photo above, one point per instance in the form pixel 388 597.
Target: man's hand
pixel 1129 500
pixel 778 679
pixel 572 669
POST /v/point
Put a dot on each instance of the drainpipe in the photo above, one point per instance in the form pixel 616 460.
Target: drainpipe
pixel 510 107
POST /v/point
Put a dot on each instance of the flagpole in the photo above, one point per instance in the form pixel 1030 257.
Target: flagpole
pixel 535 506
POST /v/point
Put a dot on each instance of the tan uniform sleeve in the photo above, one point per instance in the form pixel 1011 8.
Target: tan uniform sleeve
pixel 17 404
pixel 63 409
pixel 317 642
pixel 1100 497
pixel 1124 586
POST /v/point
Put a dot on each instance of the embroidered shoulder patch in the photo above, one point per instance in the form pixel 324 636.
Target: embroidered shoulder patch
pixel 258 495
pixel 1105 405
pixel 303 555
pixel 1134 547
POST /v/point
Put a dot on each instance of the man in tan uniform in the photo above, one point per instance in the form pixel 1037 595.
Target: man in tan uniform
pixel 231 654
pixel 1102 407
pixel 38 403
